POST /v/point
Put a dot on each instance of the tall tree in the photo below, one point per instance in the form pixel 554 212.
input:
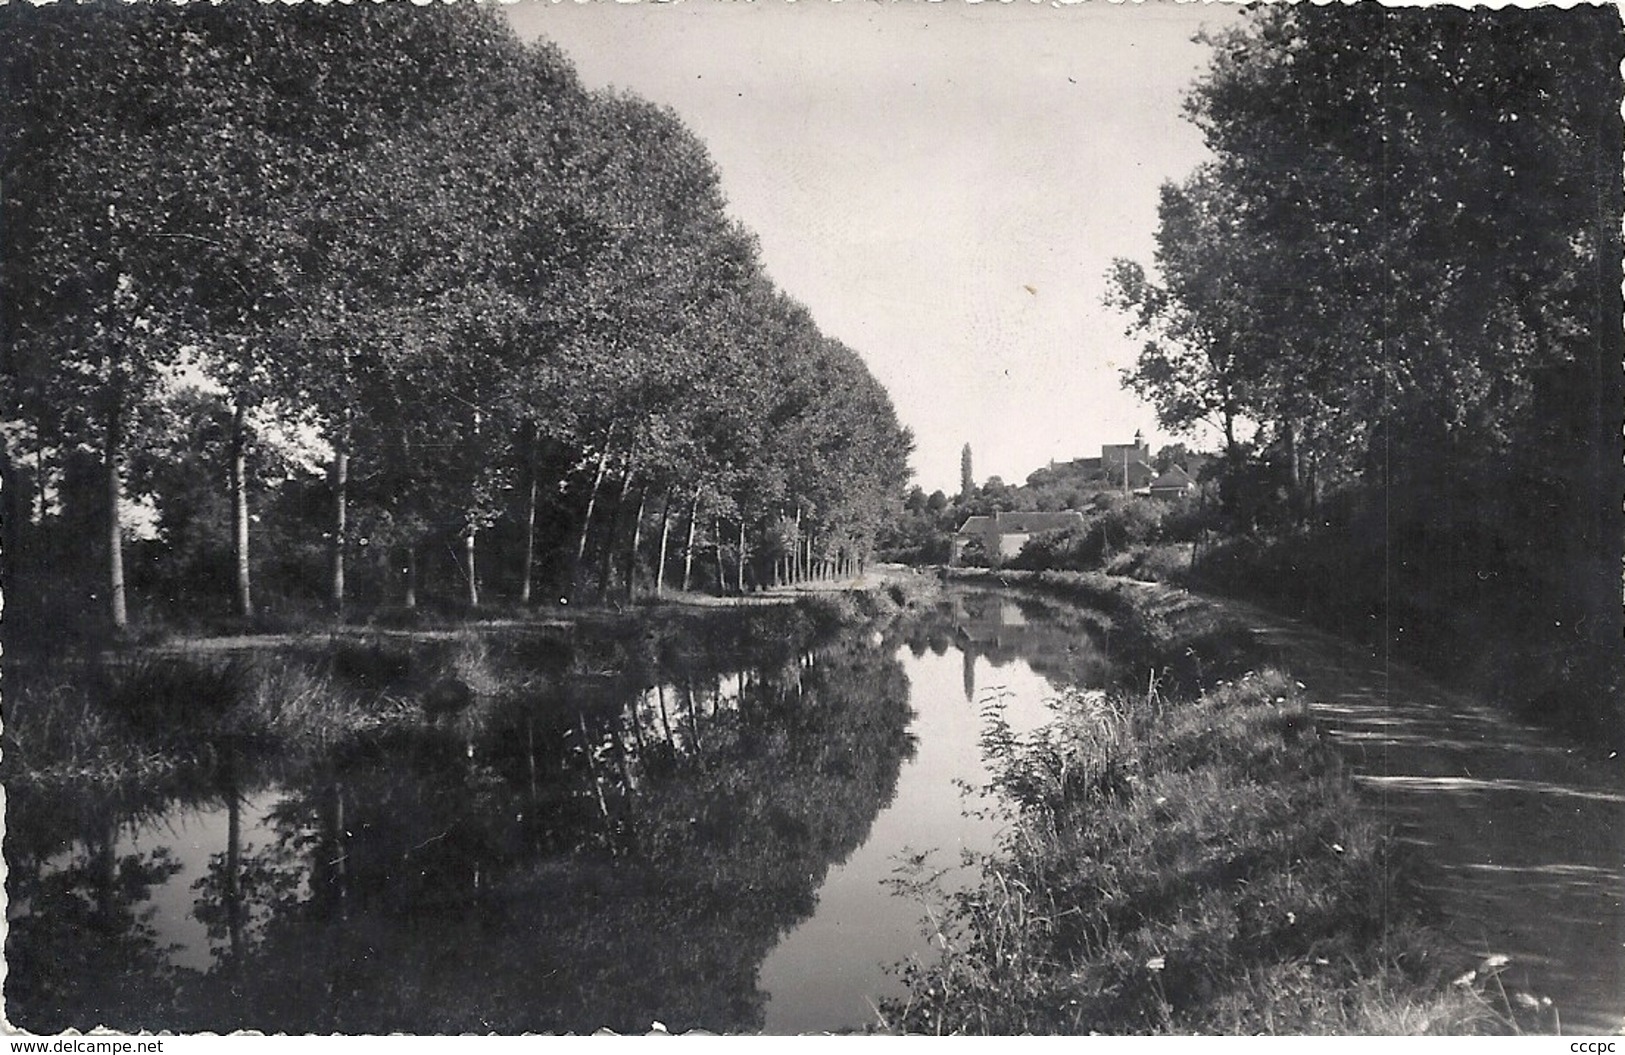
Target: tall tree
pixel 1406 247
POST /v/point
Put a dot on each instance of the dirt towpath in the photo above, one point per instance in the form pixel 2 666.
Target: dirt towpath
pixel 1521 834
pixel 675 602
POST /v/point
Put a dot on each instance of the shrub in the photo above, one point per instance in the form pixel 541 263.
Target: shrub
pixel 1074 548
pixel 1129 521
pixel 974 554
pixel 1162 562
pixel 1121 524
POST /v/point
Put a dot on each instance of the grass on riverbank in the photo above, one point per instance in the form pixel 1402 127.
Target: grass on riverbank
pixel 1189 856
pixel 143 715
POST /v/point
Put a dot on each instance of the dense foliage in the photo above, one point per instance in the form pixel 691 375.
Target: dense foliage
pixel 1401 272
pixel 246 244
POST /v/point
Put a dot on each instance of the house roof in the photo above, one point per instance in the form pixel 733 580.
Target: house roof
pixel 1138 472
pixel 1021 523
pixel 1174 478
pixel 976 525
pixel 1032 523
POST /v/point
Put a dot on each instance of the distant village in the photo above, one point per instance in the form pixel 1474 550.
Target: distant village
pixel 994 520
pixel 1122 469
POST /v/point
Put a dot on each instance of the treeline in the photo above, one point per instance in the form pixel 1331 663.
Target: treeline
pixel 507 318
pixel 1395 291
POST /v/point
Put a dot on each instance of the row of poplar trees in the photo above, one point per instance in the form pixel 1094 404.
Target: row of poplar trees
pixel 402 238
pixel 1398 283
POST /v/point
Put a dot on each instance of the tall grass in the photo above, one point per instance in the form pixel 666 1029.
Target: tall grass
pixel 1195 865
pixel 57 732
pixel 140 716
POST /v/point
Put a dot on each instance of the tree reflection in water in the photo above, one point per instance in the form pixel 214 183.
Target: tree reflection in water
pixel 1066 644
pixel 559 858
pixel 81 945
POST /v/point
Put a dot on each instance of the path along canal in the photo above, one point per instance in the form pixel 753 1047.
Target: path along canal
pixel 1520 833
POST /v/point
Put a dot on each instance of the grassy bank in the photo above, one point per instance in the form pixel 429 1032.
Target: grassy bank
pixel 1187 856
pixel 147 715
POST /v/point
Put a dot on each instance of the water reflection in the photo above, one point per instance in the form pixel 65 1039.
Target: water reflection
pixel 830 971
pixel 1060 642
pixel 573 859
pixel 689 828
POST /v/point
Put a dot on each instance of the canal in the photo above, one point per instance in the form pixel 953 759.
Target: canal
pixel 732 845
pixel 742 825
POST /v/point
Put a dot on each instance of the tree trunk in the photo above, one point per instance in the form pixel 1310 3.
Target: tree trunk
pixel 694 721
pixel 473 595
pixel 665 539
pixel 688 547
pixel 530 750
pixel 665 719
pixel 586 520
pixel 637 539
pixel 39 479
pixel 1294 473
pixel 1311 474
pixel 234 868
pixel 739 558
pixel 606 560
pixel 410 600
pixel 339 479
pixel 527 570
pixel 115 526
pixel 597 781
pixel 239 508
pixel 795 550
pixel 716 538
pixel 341 858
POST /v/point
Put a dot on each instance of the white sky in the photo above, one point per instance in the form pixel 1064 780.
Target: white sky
pixel 912 168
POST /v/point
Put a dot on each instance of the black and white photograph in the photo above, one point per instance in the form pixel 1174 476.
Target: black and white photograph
pixel 811 517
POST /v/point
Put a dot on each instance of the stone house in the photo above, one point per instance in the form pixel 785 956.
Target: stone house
pixel 1003 534
pixel 1175 483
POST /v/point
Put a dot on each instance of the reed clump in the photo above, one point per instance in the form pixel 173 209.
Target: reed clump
pixel 134 718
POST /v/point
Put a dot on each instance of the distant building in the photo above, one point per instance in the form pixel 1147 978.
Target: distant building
pixel 1175 483
pixel 1116 455
pixel 1003 534
pixel 1128 465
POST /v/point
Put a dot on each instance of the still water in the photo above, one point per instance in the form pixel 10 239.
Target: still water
pixel 705 844
pixel 824 974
